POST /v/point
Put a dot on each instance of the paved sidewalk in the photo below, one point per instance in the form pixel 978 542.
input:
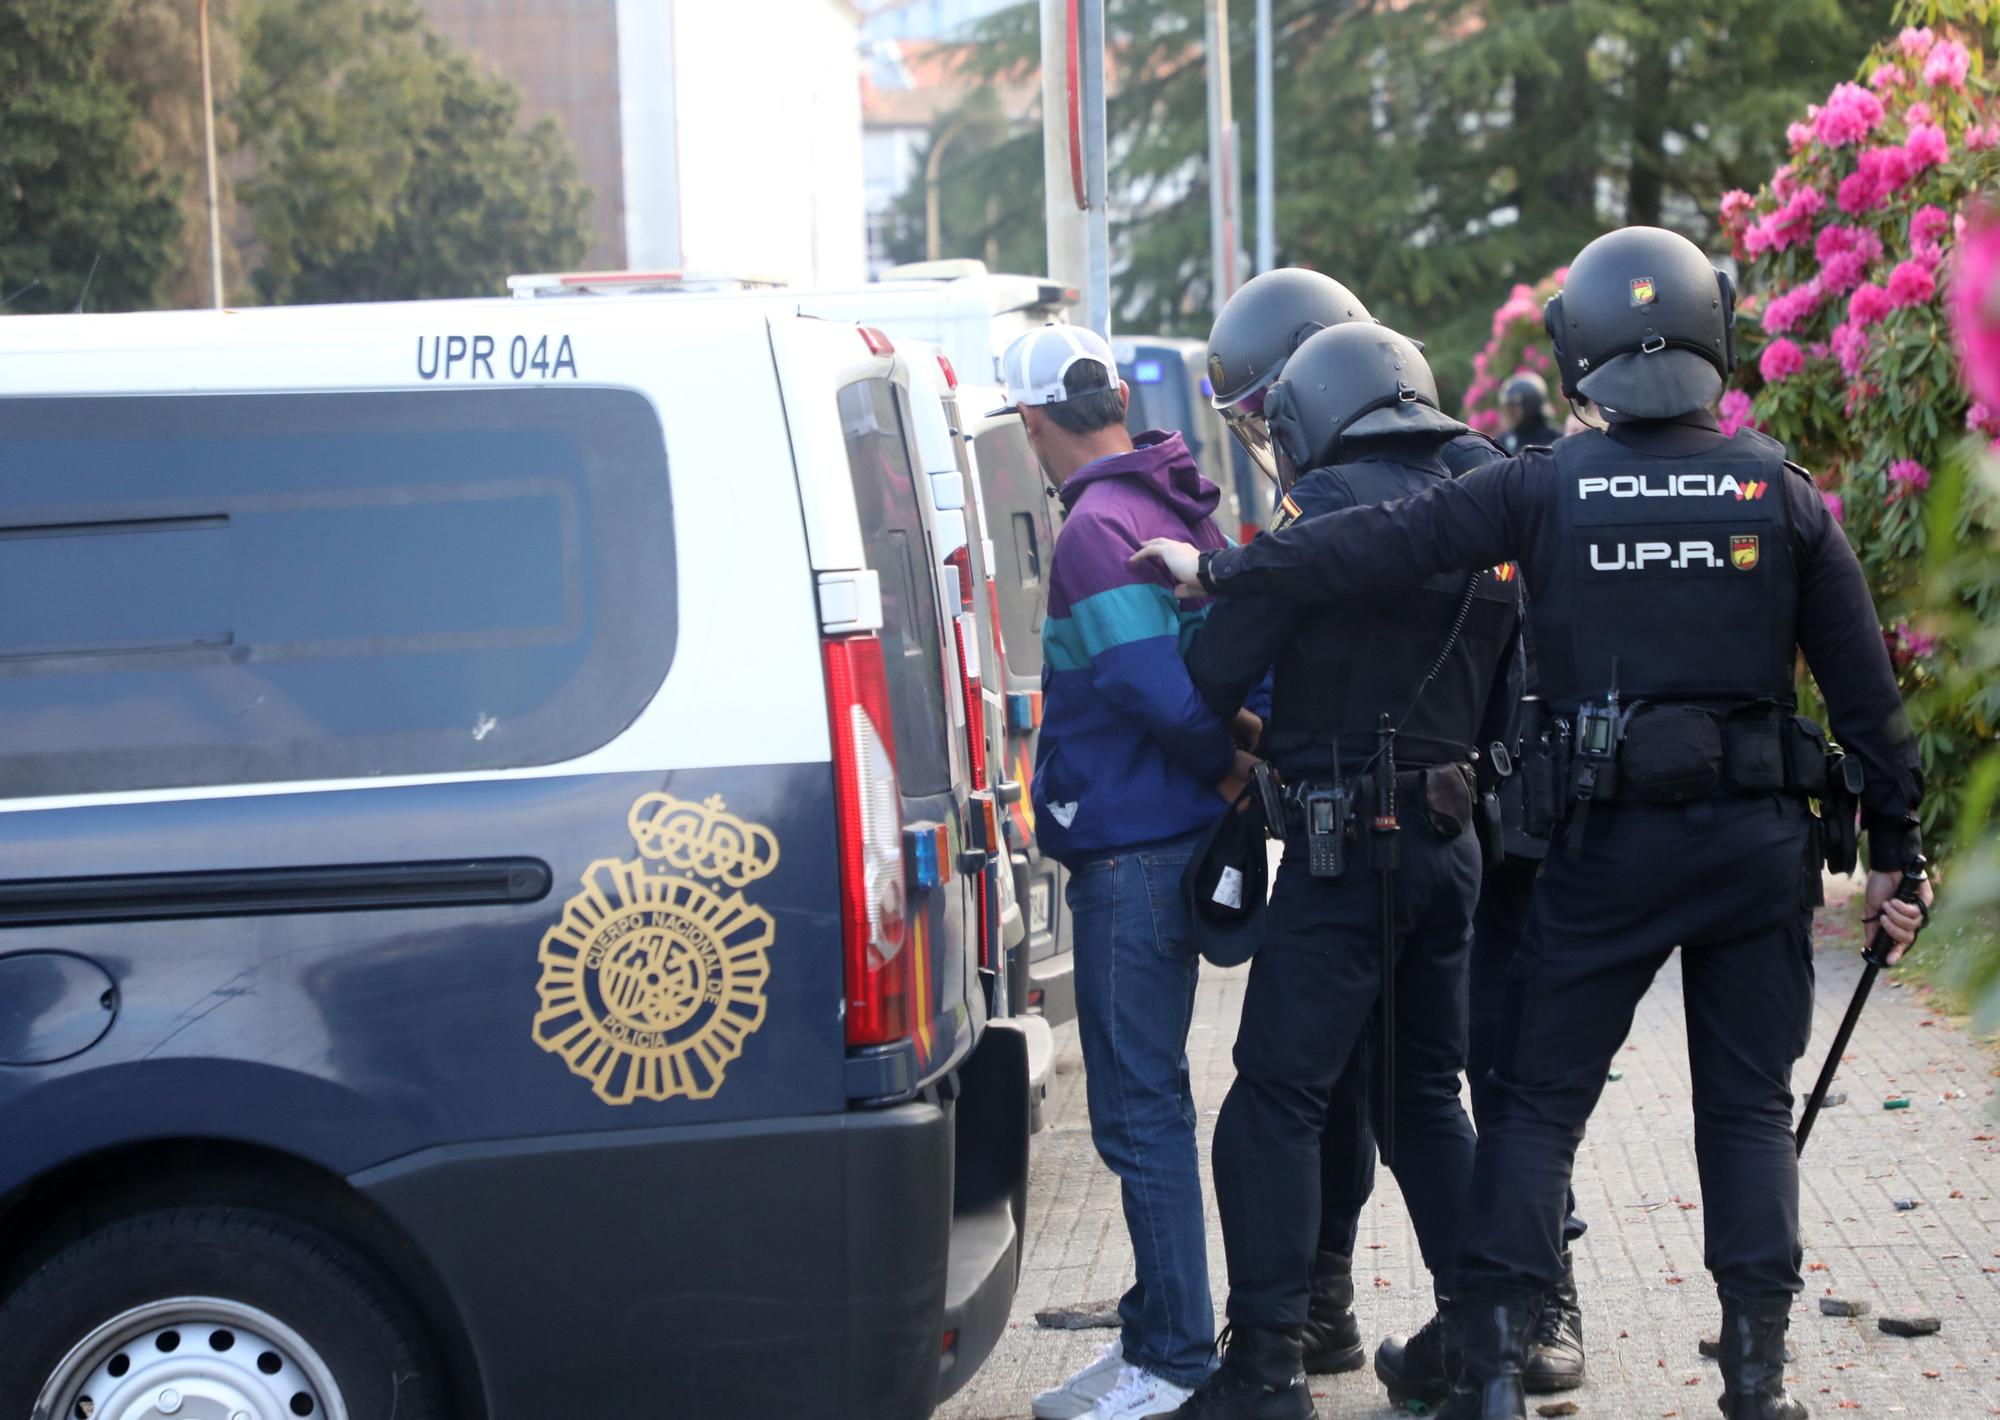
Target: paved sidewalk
pixel 1647 1298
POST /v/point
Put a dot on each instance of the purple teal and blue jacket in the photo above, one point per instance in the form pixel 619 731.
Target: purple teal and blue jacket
pixel 1129 752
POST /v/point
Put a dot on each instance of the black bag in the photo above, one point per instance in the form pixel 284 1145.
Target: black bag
pixel 1672 754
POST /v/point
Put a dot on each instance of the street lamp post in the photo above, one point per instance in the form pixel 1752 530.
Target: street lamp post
pixel 1221 156
pixel 208 134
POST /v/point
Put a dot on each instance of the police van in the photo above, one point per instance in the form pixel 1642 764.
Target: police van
pixel 488 928
pixel 1171 390
pixel 972 315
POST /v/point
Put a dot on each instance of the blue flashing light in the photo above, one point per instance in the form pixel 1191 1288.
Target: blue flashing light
pixel 926 867
pixel 1148 372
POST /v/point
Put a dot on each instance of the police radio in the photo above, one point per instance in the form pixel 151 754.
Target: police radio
pixel 1328 810
pixel 1594 756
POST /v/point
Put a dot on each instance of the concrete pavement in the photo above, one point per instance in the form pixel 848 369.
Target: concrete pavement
pixel 1647 1298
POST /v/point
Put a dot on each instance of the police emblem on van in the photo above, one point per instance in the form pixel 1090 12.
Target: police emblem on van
pixel 1743 551
pixel 654 978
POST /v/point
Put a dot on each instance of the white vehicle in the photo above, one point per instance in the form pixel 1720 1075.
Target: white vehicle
pixel 493 866
pixel 974 315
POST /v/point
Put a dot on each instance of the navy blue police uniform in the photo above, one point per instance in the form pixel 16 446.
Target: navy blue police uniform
pixel 1684 569
pixel 1290 1131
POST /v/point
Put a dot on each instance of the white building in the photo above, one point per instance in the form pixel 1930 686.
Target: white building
pixel 720 135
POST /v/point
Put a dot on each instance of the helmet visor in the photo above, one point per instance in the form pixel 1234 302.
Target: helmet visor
pixel 1245 418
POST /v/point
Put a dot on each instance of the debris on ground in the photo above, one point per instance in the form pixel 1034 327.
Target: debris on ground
pixel 1616 1075
pixel 1841 1306
pixel 1910 1325
pixel 1908 1205
pixel 1833 1097
pixel 1896 1102
pixel 1087 1317
pixel 1556 1407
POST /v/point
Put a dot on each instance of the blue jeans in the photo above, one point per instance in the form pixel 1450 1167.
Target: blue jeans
pixel 1135 977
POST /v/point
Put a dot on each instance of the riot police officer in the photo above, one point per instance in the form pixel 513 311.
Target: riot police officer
pixel 1256 332
pixel 1376 709
pixel 1525 401
pixel 1672 574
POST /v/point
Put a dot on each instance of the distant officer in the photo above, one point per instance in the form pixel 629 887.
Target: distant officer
pixel 1524 400
pixel 1357 405
pixel 1257 331
pixel 1672 574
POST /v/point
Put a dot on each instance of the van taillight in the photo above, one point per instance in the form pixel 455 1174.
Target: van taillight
pixel 868 810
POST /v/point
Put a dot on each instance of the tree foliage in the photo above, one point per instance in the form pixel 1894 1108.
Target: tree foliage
pixel 1431 153
pixel 75 198
pixel 1847 353
pixel 385 166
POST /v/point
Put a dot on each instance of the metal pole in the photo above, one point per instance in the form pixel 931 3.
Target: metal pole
pixel 1091 74
pixel 1063 199
pixel 1267 185
pixel 1221 182
pixel 933 218
pixel 208 130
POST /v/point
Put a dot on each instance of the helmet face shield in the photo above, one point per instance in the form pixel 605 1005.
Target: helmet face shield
pixel 1247 424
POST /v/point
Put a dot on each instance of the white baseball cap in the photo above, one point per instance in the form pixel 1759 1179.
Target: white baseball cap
pixel 1036 364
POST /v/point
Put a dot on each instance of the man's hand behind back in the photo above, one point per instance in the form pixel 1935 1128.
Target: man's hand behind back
pixel 1231 788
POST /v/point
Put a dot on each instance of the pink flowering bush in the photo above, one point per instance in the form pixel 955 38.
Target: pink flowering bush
pixel 1518 345
pixel 1854 257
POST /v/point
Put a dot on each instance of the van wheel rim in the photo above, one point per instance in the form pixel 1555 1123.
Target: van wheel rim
pixel 192 1358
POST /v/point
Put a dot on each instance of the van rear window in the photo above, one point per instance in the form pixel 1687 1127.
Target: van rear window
pixel 224 589
pixel 1018 503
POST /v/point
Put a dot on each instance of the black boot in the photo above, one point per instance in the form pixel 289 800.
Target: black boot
pixel 1493 1342
pixel 1421 1368
pixel 1555 1347
pixel 1753 1361
pixel 1260 1379
pixel 1332 1336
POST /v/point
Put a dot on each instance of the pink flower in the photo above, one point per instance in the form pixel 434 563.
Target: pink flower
pixel 1790 307
pixel 1784 182
pixel 1979 138
pixel 1834 506
pixel 1757 240
pixel 1890 168
pixel 1819 350
pixel 1910 284
pixel 1980 419
pixel 1850 114
pixel 1928 223
pixel 1735 413
pixel 1868 305
pixel 1975 310
pixel 1916 43
pixel 1835 239
pixel 1799 136
pixel 1909 476
pixel 1886 76
pixel 1850 347
pixel 1859 193
pixel 1780 361
pixel 1929 255
pixel 1479 362
pixel 1917 113
pixel 1927 146
pixel 1736 207
pixel 1948 65
pixel 1842 272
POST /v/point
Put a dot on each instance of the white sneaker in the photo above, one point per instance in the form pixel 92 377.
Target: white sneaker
pixel 1074 1397
pixel 1138 1394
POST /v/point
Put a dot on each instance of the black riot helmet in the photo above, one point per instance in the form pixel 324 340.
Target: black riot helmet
pixel 1346 383
pixel 1643 325
pixel 1269 317
pixel 1526 392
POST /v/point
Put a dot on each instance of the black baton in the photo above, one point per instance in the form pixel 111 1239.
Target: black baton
pixel 1386 830
pixel 1876 957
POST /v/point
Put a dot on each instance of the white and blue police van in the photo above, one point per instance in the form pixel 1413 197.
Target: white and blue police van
pixel 494 886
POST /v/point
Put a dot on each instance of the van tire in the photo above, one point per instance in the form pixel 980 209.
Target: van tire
pixel 351 1322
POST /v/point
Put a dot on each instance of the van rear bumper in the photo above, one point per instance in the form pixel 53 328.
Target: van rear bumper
pixel 798 1267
